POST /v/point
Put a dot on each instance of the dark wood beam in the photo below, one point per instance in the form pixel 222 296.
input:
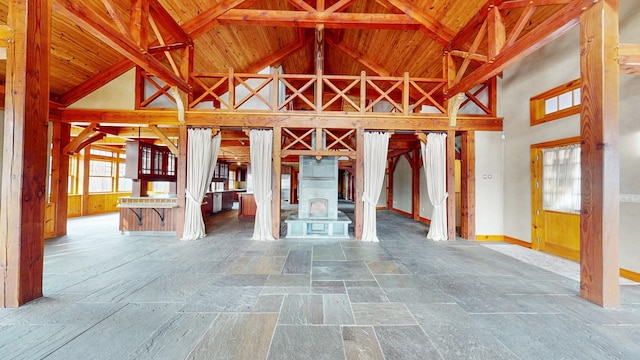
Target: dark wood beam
pixel 164 19
pixel 207 20
pixel 25 156
pixel 94 24
pixel 470 29
pixel 600 155
pixel 549 30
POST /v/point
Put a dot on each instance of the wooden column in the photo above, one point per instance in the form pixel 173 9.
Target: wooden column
pixel 359 184
pixel 181 179
pixel 600 215
pixel 276 179
pixel 451 184
pixel 60 175
pixel 415 183
pixel 25 152
pixel 84 173
pixel 468 186
pixel 391 168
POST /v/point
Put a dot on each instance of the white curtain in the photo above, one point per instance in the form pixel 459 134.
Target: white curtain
pixel 561 179
pixel 375 162
pixel 261 143
pixel 202 154
pixel 434 158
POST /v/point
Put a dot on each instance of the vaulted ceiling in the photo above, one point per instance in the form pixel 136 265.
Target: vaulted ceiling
pixel 384 37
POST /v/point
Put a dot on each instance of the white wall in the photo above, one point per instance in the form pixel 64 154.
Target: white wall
pixel 118 94
pixel 402 189
pixel 553 65
pixel 490 204
pixel 426 209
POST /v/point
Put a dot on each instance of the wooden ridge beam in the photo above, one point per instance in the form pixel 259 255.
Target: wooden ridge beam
pixel 168 23
pixel 430 26
pixel 94 24
pixel 338 120
pixel 543 34
pixel 311 20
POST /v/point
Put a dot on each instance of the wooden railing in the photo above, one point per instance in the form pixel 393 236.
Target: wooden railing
pixel 300 93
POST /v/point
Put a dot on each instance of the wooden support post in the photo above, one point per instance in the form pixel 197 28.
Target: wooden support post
pixel 276 179
pixel 600 215
pixel 451 184
pixel 84 173
pixel 25 152
pixel 60 175
pixel 468 187
pixel 391 167
pixel 181 179
pixel 359 184
pixel 319 64
pixel 415 183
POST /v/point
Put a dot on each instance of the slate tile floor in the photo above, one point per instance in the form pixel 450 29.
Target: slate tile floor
pixel 113 296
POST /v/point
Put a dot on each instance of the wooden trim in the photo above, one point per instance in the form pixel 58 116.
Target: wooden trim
pixel 631 275
pixel 503 238
pixel 562 251
pixel 404 213
pixel 517 242
pixel 537 104
pixel 555 143
pixel 600 156
pixel 489 238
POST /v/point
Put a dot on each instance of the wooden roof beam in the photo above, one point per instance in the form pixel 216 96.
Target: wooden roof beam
pixel 550 29
pixel 165 139
pixel 470 29
pixel 629 58
pixel 93 23
pixel 95 82
pixel 310 20
pixel 431 27
pixel 164 19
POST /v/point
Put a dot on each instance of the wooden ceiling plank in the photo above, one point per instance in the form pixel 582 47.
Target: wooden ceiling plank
pixel 167 22
pixel 433 28
pixel 95 82
pixel 277 56
pixel 522 22
pixel 207 20
pixel 98 27
pixel 302 5
pixel 543 34
pixel 471 27
pixel 369 64
pixel 311 20
pixel 339 6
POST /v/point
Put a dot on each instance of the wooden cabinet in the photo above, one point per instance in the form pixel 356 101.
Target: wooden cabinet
pixel 247 205
pixel 221 172
pixel 150 162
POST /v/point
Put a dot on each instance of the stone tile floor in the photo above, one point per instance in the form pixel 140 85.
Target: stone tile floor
pixel 113 296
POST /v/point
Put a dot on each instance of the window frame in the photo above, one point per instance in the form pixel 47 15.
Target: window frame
pixel 538 108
